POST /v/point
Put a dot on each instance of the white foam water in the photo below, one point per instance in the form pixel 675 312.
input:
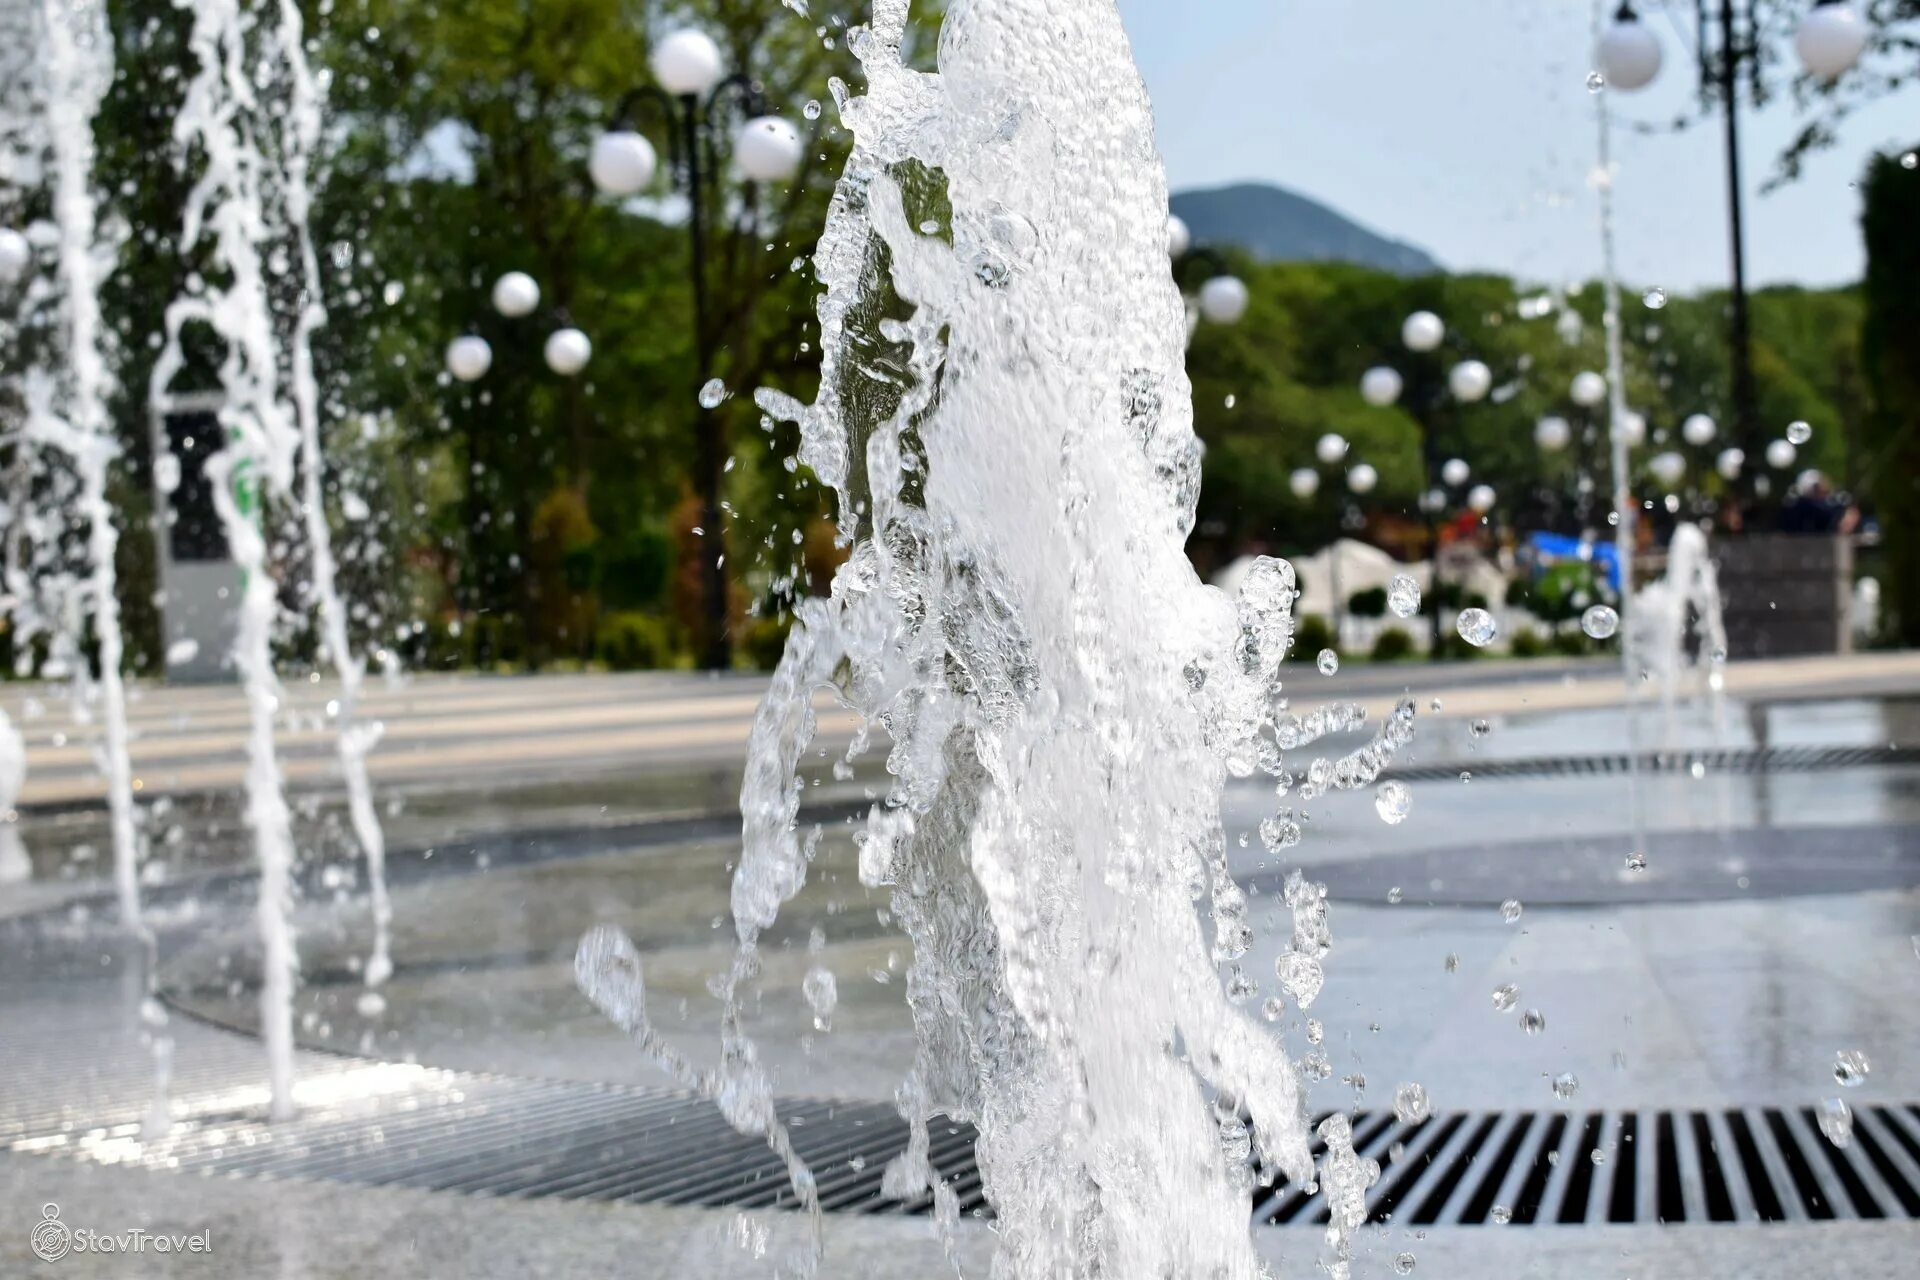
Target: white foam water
pixel 227 213
pixel 1005 415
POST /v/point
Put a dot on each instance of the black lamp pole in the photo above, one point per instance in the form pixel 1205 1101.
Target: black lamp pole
pixel 690 124
pixel 1746 410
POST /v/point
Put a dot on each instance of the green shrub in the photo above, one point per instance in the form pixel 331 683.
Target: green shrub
pixel 1529 643
pixel 1392 645
pixel 634 641
pixel 765 640
pixel 1572 643
pixel 1310 636
pixel 1371 603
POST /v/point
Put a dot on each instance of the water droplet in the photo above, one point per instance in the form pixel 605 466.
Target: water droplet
pixel 1479 729
pixel 1655 298
pixel 712 393
pixel 1476 627
pixel 1315 1031
pixel 1403 596
pixel 1910 160
pixel 1595 82
pixel 1393 801
pixel 1273 1008
pixel 1850 1067
pixel 1410 1104
pixel 1836 1121
pixel 1533 1022
pixel 812 110
pixel 1600 622
pixel 1403 1264
pixel 1799 432
pixel 1300 977
pixel 1453 962
pixel 1510 910
pixel 1231 400
pixel 371 1004
pixel 1636 861
pixel 1565 1085
pixel 1393 896
pixel 1500 1215
pixel 1505 997
pixel 1328 662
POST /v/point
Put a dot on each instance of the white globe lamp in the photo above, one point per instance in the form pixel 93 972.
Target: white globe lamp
pixel 1469 381
pixel 1481 499
pixel 1780 454
pixel 1305 482
pixel 469 357
pixel 1422 331
pixel 622 163
pixel 1552 433
pixel 1588 389
pixel 515 294
pixel 1330 448
pixel 1668 468
pixel 1831 39
pixel 1179 238
pixel 687 63
pixel 1223 299
pixel 1729 462
pixel 1380 386
pixel 1362 478
pixel 568 351
pixel 1698 430
pixel 768 149
pixel 1629 53
pixel 1455 471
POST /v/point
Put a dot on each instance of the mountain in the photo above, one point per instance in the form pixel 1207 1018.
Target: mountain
pixel 1276 224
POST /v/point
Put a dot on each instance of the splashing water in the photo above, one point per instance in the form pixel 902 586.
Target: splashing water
pixel 352 740
pixel 67 409
pixel 1005 416
pixel 1684 602
pixel 225 114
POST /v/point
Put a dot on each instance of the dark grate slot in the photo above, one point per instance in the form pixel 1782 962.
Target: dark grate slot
pixel 1669 1202
pixel 1803 1180
pixel 1891 1119
pixel 1712 1180
pixel 1863 1202
pixel 1890 1174
pixel 1483 1196
pixel 1765 1202
pixel 1527 1204
pixel 1403 1177
pixel 1573 1204
pixel 1429 1210
pixel 1625 1157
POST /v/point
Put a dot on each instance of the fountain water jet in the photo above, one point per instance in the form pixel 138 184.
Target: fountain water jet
pixel 1005 416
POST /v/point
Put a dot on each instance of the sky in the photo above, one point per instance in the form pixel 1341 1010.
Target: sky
pixel 1466 128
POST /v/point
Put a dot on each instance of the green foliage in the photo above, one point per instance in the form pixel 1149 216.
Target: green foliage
pixel 634 641
pixel 1572 642
pixel 1527 643
pixel 1310 635
pixel 765 640
pixel 1371 603
pixel 1890 346
pixel 1392 645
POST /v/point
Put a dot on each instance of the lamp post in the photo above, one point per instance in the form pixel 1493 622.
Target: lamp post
pixel 1467 382
pixel 1829 42
pixel 694 99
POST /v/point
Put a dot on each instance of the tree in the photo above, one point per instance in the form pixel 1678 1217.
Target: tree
pixel 1890 349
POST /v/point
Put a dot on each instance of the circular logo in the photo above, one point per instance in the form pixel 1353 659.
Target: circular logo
pixel 51 1237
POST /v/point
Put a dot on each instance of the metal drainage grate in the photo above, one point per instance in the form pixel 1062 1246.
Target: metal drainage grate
pixel 485 1135
pixel 1750 1165
pixel 1714 760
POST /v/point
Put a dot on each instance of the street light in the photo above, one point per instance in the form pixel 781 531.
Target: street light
pixel 1330 448
pixel 693 97
pixel 567 351
pixel 1422 331
pixel 1698 430
pixel 1305 482
pixel 1829 42
pixel 469 357
pixel 1380 386
pixel 1470 381
pixel 1588 389
pixel 1553 433
pixel 1455 472
pixel 515 294
pixel 1361 478
pixel 1223 299
pixel 1179 236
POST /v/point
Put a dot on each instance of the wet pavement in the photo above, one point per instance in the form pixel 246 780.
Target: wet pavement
pixel 1776 924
